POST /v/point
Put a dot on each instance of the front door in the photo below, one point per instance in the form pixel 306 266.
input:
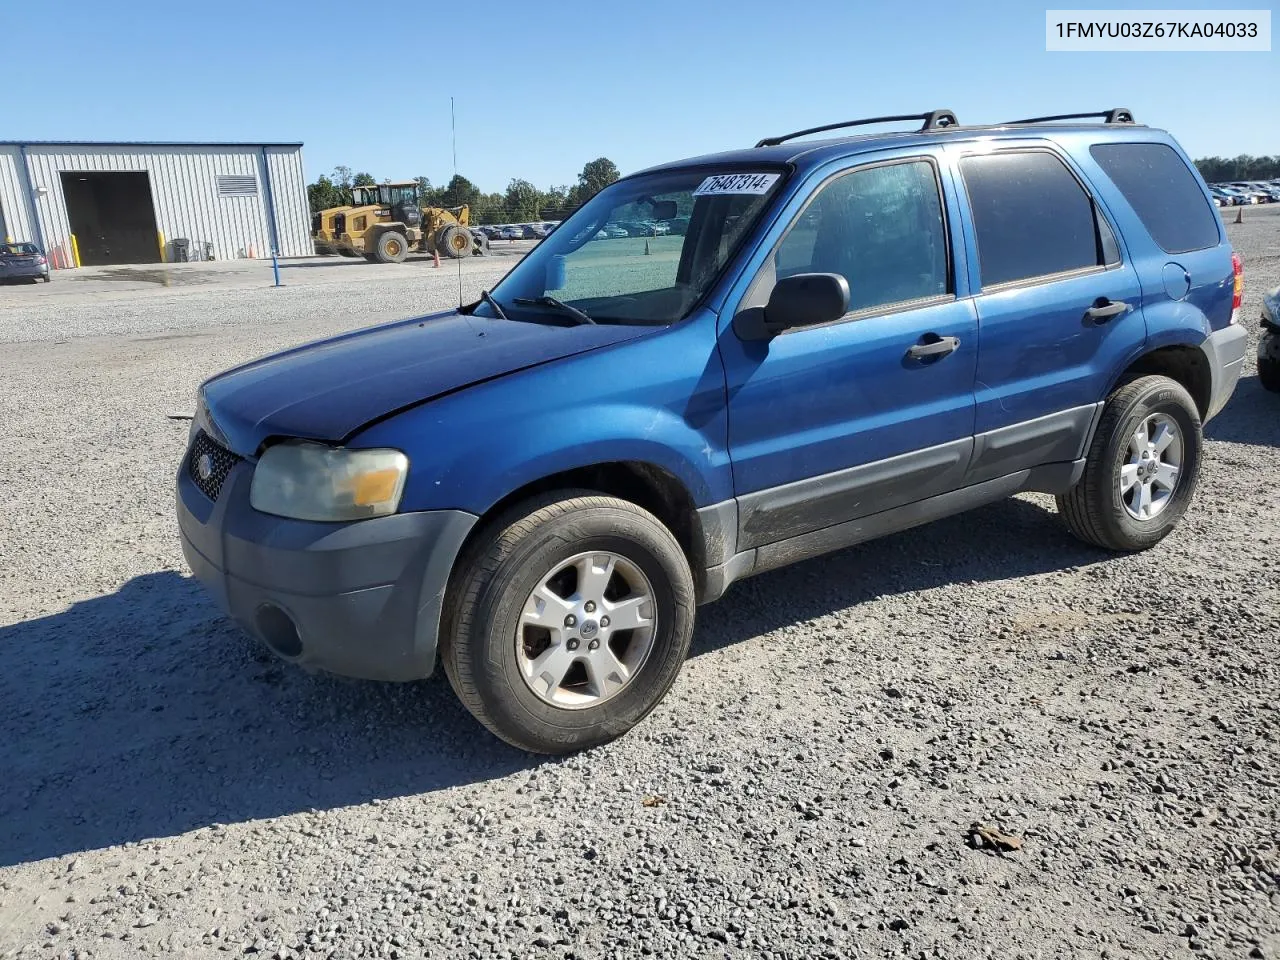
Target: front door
pixel 831 423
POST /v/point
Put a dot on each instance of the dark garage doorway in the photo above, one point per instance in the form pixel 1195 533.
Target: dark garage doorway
pixel 112 216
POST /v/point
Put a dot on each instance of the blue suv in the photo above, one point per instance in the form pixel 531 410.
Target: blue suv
pixel 851 336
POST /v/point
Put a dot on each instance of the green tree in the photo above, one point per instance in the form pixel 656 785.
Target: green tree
pixel 522 201
pixel 490 208
pixel 459 191
pixel 597 175
pixel 363 180
pixel 1243 167
pixel 324 193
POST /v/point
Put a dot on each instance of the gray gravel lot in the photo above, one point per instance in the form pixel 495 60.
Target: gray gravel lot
pixel 807 789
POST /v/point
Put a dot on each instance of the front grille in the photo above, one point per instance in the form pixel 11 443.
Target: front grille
pixel 208 464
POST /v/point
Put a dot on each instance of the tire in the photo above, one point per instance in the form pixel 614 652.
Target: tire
pixel 390 247
pixel 492 588
pixel 453 241
pixel 1095 509
pixel 1269 364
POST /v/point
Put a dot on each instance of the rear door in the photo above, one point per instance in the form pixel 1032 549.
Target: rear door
pixel 1059 304
pixel 831 423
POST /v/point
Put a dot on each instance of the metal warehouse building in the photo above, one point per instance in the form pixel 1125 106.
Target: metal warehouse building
pixel 103 203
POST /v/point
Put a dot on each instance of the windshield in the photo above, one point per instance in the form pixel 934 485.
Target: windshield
pixel 19 249
pixel 643 250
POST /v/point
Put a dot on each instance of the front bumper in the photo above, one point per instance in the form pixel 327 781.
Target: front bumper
pixel 360 599
pixel 1225 350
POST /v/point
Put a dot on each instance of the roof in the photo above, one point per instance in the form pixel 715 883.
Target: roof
pixel 144 143
pixel 809 153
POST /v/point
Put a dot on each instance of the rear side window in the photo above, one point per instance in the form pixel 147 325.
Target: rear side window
pixel 1163 193
pixel 881 228
pixel 1031 216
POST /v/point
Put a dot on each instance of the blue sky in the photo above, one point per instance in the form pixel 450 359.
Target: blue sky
pixel 541 88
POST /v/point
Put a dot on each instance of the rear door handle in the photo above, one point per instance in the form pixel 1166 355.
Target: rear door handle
pixel 1104 309
pixel 935 347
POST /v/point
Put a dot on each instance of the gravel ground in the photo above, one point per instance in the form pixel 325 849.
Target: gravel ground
pixel 807 789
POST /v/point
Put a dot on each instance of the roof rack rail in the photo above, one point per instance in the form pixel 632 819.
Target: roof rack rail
pixel 1114 115
pixel 934 120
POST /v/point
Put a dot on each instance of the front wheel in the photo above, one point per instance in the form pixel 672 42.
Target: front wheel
pixel 1141 470
pixel 568 621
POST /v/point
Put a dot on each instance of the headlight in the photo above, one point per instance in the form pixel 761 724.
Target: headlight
pixel 310 481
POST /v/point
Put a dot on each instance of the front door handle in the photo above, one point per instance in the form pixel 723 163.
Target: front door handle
pixel 934 346
pixel 1103 310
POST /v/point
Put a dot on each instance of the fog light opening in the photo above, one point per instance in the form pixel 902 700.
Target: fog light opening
pixel 278 631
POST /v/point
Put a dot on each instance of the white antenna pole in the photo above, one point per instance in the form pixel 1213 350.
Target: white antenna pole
pixel 453 126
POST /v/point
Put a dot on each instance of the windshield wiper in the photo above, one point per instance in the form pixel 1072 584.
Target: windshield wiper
pixel 487 297
pixel 553 303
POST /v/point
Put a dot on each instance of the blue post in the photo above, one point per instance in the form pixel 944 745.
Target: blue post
pixel 275 266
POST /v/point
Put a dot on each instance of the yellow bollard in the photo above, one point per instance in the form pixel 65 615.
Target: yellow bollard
pixel 160 236
pixel 75 250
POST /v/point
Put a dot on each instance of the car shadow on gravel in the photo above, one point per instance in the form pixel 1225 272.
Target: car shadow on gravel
pixel 1004 540
pixel 1252 415
pixel 144 713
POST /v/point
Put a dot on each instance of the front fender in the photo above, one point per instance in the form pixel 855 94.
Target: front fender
pixel 658 400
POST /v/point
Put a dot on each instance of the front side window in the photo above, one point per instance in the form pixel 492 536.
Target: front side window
pixel 881 228
pixel 1163 192
pixel 644 250
pixel 1031 216
pixel 402 194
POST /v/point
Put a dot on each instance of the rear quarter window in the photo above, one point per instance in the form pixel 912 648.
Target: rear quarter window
pixel 1163 192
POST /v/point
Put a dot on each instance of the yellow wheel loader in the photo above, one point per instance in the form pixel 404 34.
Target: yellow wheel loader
pixel 385 224
pixel 324 234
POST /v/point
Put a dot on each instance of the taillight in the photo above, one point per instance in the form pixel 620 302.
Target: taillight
pixel 41 260
pixel 1237 287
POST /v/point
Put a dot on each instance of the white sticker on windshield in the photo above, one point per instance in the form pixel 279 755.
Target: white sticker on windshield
pixel 737 183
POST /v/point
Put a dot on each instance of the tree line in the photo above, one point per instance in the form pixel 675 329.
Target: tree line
pixel 521 202
pixel 1243 167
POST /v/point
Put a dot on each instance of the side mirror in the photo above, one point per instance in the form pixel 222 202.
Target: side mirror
pixel 805 300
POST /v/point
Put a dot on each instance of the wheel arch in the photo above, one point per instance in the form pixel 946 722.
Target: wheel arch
pixel 646 484
pixel 1184 363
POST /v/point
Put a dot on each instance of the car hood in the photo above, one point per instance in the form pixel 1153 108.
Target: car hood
pixel 329 389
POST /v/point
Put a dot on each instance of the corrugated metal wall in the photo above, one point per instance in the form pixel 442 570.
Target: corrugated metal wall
pixel 184 188
pixel 13 195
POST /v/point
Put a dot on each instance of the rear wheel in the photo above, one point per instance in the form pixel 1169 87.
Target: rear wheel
pixel 1141 469
pixel 390 247
pixel 568 621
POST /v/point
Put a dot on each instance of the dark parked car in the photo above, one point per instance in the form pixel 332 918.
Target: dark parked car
pixel 23 261
pixel 535 491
